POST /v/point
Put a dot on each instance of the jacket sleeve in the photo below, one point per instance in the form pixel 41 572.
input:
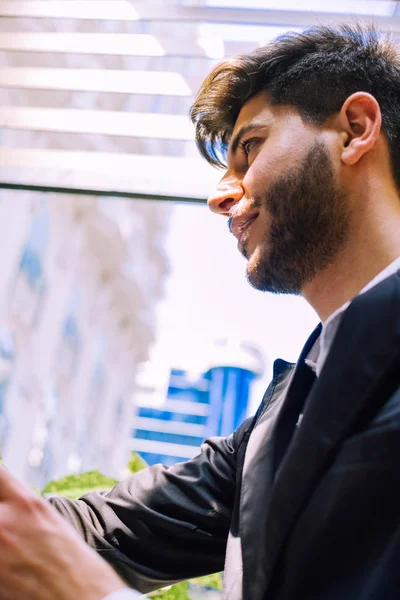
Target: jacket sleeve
pixel 163 525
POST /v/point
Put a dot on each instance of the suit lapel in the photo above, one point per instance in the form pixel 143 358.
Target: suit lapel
pixel 258 474
pixel 365 350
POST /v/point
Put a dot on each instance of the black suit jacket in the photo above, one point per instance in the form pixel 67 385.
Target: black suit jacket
pixel 313 515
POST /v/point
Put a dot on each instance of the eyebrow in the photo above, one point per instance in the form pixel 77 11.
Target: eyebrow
pixel 246 128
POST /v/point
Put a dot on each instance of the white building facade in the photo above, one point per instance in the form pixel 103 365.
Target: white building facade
pixel 77 300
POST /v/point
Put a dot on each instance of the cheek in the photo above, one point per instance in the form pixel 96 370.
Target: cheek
pixel 258 241
pixel 257 177
pixel 276 157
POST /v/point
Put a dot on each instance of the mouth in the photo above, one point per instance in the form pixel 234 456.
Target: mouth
pixel 239 226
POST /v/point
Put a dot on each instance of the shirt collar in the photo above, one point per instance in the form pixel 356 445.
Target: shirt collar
pixel 320 350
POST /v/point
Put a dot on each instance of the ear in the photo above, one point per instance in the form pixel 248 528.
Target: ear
pixel 361 119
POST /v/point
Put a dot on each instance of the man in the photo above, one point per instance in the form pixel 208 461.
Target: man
pixel 303 500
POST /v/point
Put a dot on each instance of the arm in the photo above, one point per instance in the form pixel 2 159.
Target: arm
pixel 163 525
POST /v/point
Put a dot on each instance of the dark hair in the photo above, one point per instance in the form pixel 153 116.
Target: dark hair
pixel 315 71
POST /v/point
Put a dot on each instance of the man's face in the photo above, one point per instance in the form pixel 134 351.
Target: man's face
pixel 282 197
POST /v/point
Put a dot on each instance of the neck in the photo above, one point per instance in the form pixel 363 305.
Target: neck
pixel 371 249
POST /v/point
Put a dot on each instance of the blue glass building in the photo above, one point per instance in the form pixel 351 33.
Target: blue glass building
pixel 213 403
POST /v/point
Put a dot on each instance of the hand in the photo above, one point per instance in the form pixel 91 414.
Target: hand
pixel 41 555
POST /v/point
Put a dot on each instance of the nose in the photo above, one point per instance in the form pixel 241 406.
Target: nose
pixel 227 193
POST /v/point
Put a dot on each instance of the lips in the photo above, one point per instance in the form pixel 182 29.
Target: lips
pixel 239 225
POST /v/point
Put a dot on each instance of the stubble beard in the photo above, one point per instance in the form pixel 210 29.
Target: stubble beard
pixel 309 224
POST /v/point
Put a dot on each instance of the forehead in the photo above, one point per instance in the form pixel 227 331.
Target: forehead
pixel 258 106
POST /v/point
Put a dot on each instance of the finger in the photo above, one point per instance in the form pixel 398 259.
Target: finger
pixel 11 487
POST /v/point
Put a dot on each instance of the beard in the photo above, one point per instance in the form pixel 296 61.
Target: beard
pixel 309 225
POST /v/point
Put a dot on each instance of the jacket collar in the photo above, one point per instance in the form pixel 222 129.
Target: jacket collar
pixel 365 350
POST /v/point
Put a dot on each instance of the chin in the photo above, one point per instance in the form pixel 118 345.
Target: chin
pixel 260 276
pixel 257 260
pixel 255 272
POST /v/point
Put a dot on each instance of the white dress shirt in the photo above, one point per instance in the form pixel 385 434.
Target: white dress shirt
pixel 319 352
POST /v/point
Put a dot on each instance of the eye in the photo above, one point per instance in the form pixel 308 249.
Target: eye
pixel 248 145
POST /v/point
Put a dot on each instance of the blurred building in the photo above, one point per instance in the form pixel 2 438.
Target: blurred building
pixel 78 288
pixel 172 421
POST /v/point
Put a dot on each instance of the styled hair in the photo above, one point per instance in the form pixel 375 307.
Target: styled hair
pixel 314 71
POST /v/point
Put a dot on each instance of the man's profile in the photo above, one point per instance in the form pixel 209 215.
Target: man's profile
pixel 303 500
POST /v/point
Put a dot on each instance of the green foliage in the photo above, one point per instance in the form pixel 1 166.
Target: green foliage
pixel 210 581
pixel 75 486
pixel 176 592
pixel 136 463
pixel 180 591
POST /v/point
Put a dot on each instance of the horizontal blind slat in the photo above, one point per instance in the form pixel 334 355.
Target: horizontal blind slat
pixel 113 81
pixel 155 126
